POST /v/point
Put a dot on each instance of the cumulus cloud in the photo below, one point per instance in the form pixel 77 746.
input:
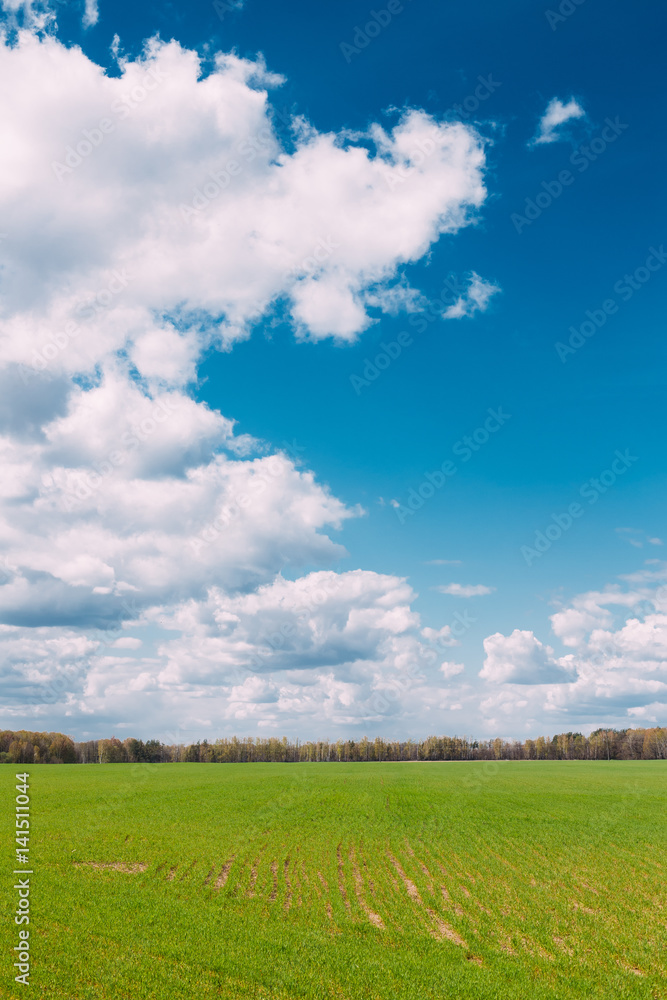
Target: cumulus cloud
pixel 653 714
pixel 615 673
pixel 557 114
pixel 328 648
pixel 464 589
pixel 324 619
pixel 177 220
pixel 148 498
pixel 521 658
pixel 589 611
pixel 41 667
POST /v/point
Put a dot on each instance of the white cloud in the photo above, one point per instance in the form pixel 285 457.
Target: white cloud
pixel 475 298
pixel 464 589
pixel 450 669
pixel 335 653
pixel 326 649
pixel 174 212
pixel 520 658
pixel 325 619
pixel 637 538
pixel 653 714
pixel 440 636
pixel 32 15
pixel 396 298
pixel 41 666
pixel 128 642
pixel 91 14
pixel 616 672
pixel 127 496
pixel 556 114
pixel 590 611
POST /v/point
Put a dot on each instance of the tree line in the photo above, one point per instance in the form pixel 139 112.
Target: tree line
pixel 24 747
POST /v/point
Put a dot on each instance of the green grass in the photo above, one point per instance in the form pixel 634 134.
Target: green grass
pixel 348 881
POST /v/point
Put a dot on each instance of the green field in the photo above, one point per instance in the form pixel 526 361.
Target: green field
pixel 372 881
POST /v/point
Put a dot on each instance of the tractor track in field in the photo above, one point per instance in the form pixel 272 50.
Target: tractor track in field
pixel 253 879
pixel 369 881
pixel 364 886
pixel 341 879
pixel 193 865
pixel 373 917
pixel 288 883
pixel 304 873
pixel 224 874
pixel 411 888
pixel 295 878
pixel 274 875
pixel 439 929
pixel 425 871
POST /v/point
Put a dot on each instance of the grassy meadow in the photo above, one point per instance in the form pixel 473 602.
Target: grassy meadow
pixel 377 881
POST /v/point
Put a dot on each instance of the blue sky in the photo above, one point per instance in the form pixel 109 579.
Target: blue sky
pixel 547 251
